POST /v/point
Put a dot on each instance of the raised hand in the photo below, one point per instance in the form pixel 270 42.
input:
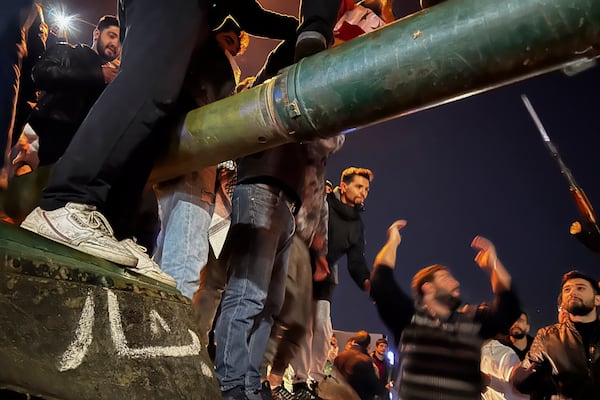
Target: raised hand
pixel 393 231
pixel 486 258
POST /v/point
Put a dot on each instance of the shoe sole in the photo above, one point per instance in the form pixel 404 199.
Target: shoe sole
pixel 154 277
pixel 115 258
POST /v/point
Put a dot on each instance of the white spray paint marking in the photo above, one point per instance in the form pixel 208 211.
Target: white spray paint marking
pixel 123 350
pixel 75 353
pixel 155 321
pixel 206 370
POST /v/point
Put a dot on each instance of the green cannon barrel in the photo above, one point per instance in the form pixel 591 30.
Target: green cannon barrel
pixel 455 49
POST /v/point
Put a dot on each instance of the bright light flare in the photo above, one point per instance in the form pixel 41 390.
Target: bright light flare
pixel 63 22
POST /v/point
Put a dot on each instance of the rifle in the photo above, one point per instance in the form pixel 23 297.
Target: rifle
pixel 586 231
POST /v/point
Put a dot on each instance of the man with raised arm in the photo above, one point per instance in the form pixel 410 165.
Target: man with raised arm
pixel 440 343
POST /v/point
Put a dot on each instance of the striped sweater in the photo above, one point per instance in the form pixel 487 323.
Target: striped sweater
pixel 439 358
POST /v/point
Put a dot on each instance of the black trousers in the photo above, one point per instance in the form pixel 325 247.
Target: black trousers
pixel 111 155
pixel 320 16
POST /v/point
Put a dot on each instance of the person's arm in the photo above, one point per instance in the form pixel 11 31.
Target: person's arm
pixel 488 260
pixel 318 246
pixel 258 21
pixel 506 309
pixel 66 66
pixel 534 373
pixel 357 263
pixel 394 307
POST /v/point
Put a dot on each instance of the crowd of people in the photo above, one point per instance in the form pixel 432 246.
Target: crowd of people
pixel 254 243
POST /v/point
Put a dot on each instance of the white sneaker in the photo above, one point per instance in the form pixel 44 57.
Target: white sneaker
pixel 81 227
pixel 147 266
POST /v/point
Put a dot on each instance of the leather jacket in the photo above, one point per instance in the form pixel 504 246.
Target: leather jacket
pixel 558 361
pixel 70 80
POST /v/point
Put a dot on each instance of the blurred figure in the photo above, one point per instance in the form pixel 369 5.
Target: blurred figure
pixel 16 19
pixel 441 343
pixel 384 369
pixel 37 36
pixel 334 350
pixel 497 363
pixel 563 359
pixel 518 337
pixel 356 366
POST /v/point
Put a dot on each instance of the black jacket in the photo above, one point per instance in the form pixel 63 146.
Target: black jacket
pixel 252 18
pixel 561 364
pixel 70 80
pixel 345 237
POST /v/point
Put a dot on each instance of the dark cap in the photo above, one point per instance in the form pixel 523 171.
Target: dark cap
pixel 380 341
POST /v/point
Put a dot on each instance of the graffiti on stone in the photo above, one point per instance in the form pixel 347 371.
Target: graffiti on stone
pixel 79 346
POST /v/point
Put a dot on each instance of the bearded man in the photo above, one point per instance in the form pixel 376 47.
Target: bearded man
pixel 518 337
pixel 440 343
pixel 564 357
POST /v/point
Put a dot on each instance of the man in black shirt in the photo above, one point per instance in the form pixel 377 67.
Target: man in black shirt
pixel 518 337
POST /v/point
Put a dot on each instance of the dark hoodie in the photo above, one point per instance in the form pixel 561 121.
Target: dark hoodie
pixel 346 236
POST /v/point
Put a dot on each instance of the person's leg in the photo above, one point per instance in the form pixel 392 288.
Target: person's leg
pixel 261 225
pixel 319 16
pixel 182 246
pixel 295 313
pixel 206 301
pixel 317 19
pixel 160 38
pixel 275 298
pixel 302 360
pixel 185 247
pixel 322 332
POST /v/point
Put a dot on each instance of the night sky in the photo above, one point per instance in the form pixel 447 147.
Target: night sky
pixel 474 166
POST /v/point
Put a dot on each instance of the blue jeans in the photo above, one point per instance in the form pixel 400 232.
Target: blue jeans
pixel 258 243
pixel 182 244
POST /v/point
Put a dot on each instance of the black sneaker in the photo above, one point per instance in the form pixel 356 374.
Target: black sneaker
pixel 309 43
pixel 303 392
pixel 237 393
pixel 281 393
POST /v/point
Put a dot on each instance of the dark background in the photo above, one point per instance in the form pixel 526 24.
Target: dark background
pixel 474 166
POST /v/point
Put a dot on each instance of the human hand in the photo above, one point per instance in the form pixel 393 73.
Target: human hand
pixel 109 72
pixel 322 269
pixel 367 285
pixel 393 231
pixel 486 258
pixel 317 242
